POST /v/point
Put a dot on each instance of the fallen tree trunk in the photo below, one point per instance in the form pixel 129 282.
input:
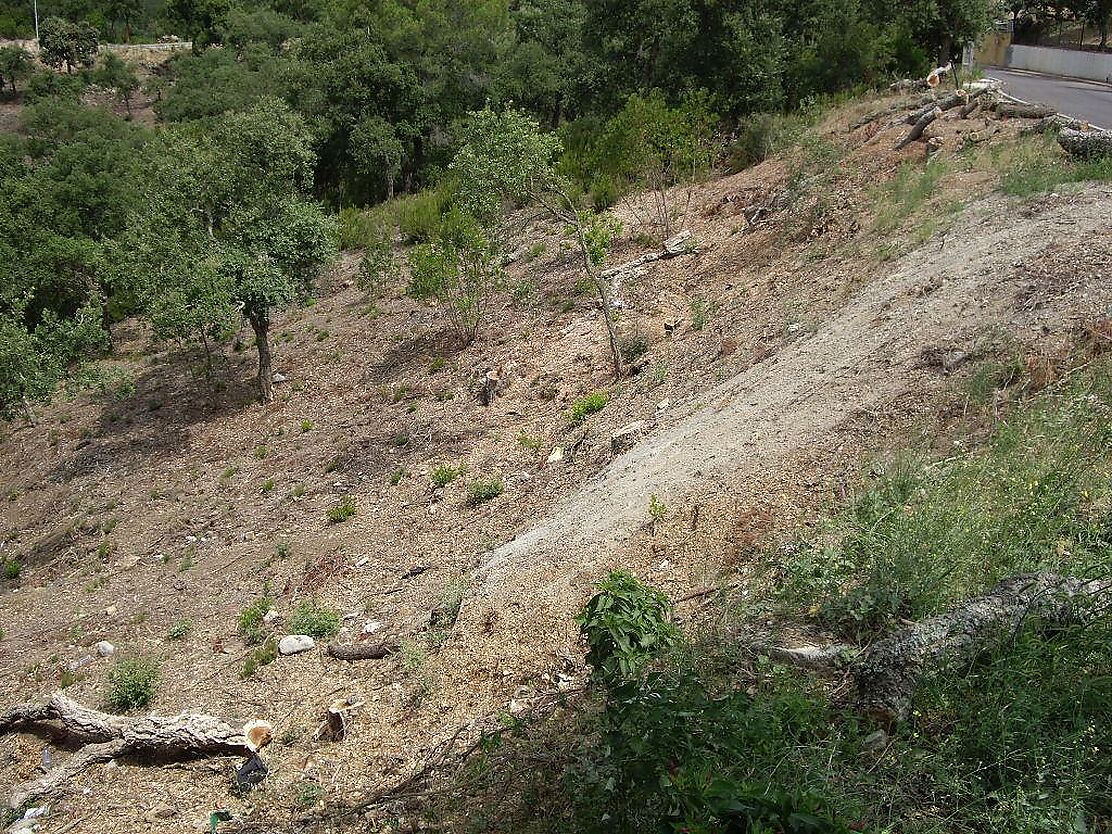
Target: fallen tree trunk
pixel 1056 123
pixel 363 651
pixel 1086 144
pixel 108 736
pixel 1022 110
pixel 920 125
pixel 889 671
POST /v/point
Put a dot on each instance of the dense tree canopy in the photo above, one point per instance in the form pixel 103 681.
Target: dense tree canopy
pixel 211 218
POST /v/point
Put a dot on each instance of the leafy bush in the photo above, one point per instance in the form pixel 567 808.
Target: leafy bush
pixel 587 405
pixel 460 271
pixel 444 474
pixel 480 492
pixel 131 684
pixel 418 215
pixel 625 625
pixel 315 620
pixel 342 511
pixel 12 569
pixel 251 624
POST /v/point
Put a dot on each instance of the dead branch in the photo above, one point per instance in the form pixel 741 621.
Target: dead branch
pixel 673 246
pixel 889 671
pixel 362 651
pixel 107 736
pixel 1086 144
pixel 920 125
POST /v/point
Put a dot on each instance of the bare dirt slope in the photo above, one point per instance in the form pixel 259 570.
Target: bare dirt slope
pixel 935 306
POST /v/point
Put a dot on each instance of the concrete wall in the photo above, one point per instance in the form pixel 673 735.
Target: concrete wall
pixel 1095 66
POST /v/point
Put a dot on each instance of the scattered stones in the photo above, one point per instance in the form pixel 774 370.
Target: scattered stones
pixel 105 649
pixel 677 244
pixel 727 348
pixel 663 405
pixel 556 455
pixel 295 644
pixel 76 664
pixel 628 436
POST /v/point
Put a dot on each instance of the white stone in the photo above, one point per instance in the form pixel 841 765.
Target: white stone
pixel 557 455
pixel 295 644
pixel 105 649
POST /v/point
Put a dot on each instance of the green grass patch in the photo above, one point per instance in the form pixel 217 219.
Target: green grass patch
pixel 314 619
pixel 587 405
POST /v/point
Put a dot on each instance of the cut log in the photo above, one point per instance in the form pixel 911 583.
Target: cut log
pixel 1086 144
pixel 107 736
pixel 1022 110
pixel 1054 123
pixel 920 126
pixel 362 651
pixel 889 671
pixel 946 103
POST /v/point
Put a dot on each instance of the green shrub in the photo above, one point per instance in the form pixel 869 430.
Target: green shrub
pixel 131 684
pixel 315 620
pixel 12 569
pixel 625 625
pixel 180 630
pixel 418 215
pixel 342 511
pixel 633 347
pixel 267 486
pixel 587 405
pixel 306 426
pixel 444 474
pixel 480 492
pixel 251 624
pixel 263 655
pixel 759 136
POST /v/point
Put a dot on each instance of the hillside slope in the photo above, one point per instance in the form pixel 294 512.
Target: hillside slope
pixel 781 354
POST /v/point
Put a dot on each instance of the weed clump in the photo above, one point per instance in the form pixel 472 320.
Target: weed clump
pixel 444 475
pixel 587 405
pixel 251 624
pixel 342 511
pixel 314 619
pixel 131 684
pixel 482 491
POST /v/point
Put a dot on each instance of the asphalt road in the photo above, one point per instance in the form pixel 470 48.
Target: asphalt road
pixel 1088 100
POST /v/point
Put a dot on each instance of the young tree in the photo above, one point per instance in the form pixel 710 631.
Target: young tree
pixel 73 45
pixel 229 230
pixel 460 269
pixel 650 145
pixel 33 361
pixel 125 13
pixel 506 158
pixel 117 74
pixel 15 65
